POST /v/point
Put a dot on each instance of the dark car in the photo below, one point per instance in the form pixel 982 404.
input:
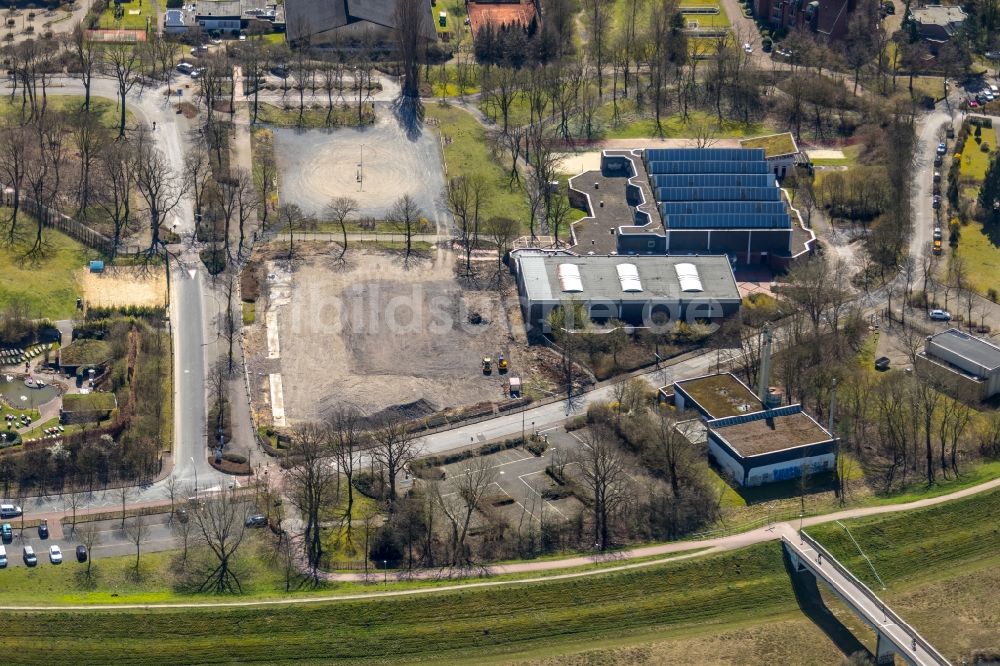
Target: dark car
pixel 43 529
pixel 256 520
pixel 30 558
pixel 81 553
pixel 7 533
pixel 938 160
pixel 936 202
pixel 942 148
pixel 182 514
pixel 882 363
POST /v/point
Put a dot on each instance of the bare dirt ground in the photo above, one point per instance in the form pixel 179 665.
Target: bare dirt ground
pixel 376 334
pixel 318 165
pixel 123 285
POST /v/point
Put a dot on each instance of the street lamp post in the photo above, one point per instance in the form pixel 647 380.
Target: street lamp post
pixel 195 477
pixel 385 572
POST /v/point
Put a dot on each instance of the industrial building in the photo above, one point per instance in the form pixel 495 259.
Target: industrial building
pixel 754 441
pixel 324 21
pixel 966 366
pixel 642 291
pixel 690 201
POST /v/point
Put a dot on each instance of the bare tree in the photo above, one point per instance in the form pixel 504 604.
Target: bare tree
pixel 464 197
pixel 394 448
pixel 172 487
pixel 122 62
pixel 88 55
pixel 459 506
pixel 410 18
pixel 340 209
pixel 345 437
pixel 89 536
pixel 160 188
pixel 198 174
pixel 116 179
pixel 137 532
pixel 405 215
pixel 502 231
pixel 603 466
pixel 183 529
pixel 124 493
pixel 221 523
pixel 311 486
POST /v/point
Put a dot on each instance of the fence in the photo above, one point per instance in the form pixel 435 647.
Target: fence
pixel 74 229
pixel 865 590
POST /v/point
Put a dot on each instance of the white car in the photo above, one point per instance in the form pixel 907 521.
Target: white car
pixel 939 315
pixel 748 48
pixel 55 554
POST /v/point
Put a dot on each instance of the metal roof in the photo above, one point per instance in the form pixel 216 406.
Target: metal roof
pixel 981 352
pixel 723 207
pixel 656 276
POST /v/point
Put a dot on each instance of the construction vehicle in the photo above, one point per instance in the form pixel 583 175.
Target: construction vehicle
pixel 487 365
pixel 501 364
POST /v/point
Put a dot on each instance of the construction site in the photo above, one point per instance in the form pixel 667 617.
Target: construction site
pixel 386 336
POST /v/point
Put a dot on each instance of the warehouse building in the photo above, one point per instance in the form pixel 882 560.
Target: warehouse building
pixel 966 366
pixel 753 442
pixel 642 291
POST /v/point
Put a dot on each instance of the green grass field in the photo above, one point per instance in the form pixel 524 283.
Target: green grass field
pixel 467 155
pixel 707 594
pixel 129 21
pixel 47 284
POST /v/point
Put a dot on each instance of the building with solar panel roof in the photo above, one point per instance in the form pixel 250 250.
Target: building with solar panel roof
pixel 690 201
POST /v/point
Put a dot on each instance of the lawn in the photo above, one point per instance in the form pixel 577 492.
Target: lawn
pixel 46 284
pixel 641 125
pixel 976 248
pixel 974 160
pixel 749 588
pixel 129 20
pixel 312 117
pixel 466 154
pixel 720 20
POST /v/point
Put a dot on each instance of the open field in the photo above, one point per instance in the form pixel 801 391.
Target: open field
pixel 125 285
pixel 134 17
pixel 316 166
pixel 47 285
pixel 377 334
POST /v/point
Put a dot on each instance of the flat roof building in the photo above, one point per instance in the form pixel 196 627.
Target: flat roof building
pixel 967 366
pixel 637 290
pixel 750 442
pixel 319 21
pixel 937 23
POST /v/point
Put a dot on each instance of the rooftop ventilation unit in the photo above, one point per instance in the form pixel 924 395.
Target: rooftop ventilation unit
pixel 687 275
pixel 569 278
pixel 628 275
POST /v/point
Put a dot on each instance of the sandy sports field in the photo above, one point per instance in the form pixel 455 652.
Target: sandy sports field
pixel 120 286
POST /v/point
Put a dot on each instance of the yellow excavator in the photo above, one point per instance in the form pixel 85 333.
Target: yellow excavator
pixel 487 365
pixel 502 364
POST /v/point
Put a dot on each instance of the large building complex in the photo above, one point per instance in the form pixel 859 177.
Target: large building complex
pixel 967 366
pixel 637 290
pixel 828 18
pixel 689 201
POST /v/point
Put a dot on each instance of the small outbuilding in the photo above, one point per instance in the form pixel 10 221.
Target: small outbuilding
pixel 967 367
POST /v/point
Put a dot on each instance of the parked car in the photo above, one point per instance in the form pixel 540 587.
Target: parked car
pixel 949 131
pixel 994 89
pixel 6 533
pixel 747 48
pixel 973 104
pixel 55 554
pixel 942 148
pixel 256 520
pixel 939 315
pixel 185 67
pixel 937 233
pixel 936 202
pixel 182 514
pixel 3 557
pixel 882 363
pixel 938 160
pixel 9 511
pixel 937 176
pixel 29 556
pixel 81 553
pixel 43 529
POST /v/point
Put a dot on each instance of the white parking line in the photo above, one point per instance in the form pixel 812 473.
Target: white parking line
pixel 544 501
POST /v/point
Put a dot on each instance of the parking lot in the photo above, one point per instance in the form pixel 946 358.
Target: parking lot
pixel 520 476
pixel 112 541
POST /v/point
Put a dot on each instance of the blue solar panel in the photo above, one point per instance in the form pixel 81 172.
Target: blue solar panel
pixel 726 221
pixel 707 167
pixel 722 207
pixel 718 194
pixel 704 154
pixel 712 180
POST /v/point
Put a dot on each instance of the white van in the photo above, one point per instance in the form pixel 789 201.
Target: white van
pixel 994 89
pixel 9 511
pixel 3 557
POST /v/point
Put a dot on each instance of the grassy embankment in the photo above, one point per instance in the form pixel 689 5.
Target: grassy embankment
pixel 703 595
pixel 978 246
pixel 45 284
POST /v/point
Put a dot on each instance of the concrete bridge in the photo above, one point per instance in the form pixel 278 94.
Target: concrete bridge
pixel 895 636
